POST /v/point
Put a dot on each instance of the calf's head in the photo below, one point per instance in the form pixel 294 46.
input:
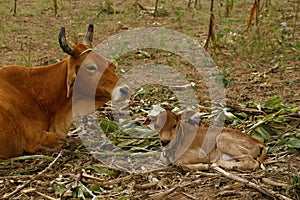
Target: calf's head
pixel 94 75
pixel 168 124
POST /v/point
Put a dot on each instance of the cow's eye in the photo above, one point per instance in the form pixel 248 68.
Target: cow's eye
pixel 91 68
pixel 175 125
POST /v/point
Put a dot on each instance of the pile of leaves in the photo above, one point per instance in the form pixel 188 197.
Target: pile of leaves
pixel 75 172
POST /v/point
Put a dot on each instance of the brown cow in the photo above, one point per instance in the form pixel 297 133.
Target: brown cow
pixel 37 104
pixel 231 148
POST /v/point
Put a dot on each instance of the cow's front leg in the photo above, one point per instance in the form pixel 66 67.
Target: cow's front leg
pixel 45 140
pixel 52 140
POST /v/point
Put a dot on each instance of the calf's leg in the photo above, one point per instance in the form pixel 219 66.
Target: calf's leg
pixel 245 162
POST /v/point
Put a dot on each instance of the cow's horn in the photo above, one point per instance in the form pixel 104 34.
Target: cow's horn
pixel 63 42
pixel 88 38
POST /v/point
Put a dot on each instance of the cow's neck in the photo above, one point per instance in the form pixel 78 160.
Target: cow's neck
pixel 48 86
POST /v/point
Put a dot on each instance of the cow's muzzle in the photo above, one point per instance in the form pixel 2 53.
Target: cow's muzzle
pixel 120 93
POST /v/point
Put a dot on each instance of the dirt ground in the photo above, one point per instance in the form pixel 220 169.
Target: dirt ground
pixel 254 66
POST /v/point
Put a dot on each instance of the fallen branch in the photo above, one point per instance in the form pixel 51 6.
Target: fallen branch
pixel 270 70
pixel 259 188
pixel 119 180
pixel 45 196
pixel 50 165
pixel 168 191
pixel 189 195
pixel 15 177
pixel 20 187
pixel 8 161
pixel 163 193
pixel 274 183
pixel 31 190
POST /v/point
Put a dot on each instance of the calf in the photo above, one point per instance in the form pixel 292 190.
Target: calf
pixel 37 104
pixel 230 149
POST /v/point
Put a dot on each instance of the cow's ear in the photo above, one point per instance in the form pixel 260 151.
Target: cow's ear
pixel 71 76
pixel 111 65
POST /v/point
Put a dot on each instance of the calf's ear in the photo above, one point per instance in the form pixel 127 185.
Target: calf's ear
pixel 192 117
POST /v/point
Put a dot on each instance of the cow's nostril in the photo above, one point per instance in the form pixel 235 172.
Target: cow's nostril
pixel 165 142
pixel 124 91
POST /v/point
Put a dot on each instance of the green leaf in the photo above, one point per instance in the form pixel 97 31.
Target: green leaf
pixel 59 188
pixel 282 141
pixel 273 102
pixel 230 115
pixel 257 124
pixel 294 143
pixel 126 143
pixel 242 114
pixel 124 198
pixel 107 125
pixel 294 109
pixel 142 91
pixel 258 137
pixel 96 187
pixel 264 133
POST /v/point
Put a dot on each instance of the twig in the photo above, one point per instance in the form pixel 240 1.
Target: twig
pixel 20 187
pixel 163 193
pixel 6 162
pixel 15 177
pixel 119 180
pixel 45 196
pixel 6 196
pixel 20 177
pixel 273 183
pixel 30 190
pixel 234 106
pixel 189 195
pixel 50 165
pixel 85 175
pixel 269 70
pixel 161 169
pixel 134 137
pixel 146 186
pixel 259 188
